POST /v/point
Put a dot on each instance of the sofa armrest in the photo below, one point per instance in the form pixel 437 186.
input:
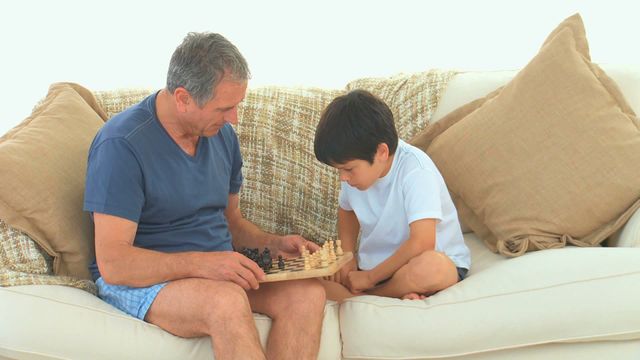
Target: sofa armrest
pixel 629 234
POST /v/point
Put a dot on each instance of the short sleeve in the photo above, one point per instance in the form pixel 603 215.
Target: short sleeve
pixel 343 200
pixel 421 192
pixel 235 182
pixel 114 182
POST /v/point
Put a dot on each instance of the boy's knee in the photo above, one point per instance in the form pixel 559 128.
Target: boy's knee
pixel 431 270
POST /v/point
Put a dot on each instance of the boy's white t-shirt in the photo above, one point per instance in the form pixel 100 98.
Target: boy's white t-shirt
pixel 413 189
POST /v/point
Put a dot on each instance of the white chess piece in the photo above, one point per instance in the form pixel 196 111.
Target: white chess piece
pixel 339 247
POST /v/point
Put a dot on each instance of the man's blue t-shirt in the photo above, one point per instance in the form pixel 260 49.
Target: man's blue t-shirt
pixel 136 171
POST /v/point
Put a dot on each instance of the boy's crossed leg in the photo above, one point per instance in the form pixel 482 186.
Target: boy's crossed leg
pixel 422 276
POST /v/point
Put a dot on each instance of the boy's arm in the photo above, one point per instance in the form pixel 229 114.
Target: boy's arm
pixel 422 237
pixel 348 230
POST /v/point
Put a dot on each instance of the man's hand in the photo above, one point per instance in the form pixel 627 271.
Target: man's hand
pixel 231 266
pixel 289 246
pixel 359 281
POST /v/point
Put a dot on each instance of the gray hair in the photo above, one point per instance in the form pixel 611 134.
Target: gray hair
pixel 201 61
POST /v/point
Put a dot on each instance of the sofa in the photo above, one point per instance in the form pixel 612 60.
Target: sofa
pixel 532 300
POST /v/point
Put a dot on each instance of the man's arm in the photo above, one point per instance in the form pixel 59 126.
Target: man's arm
pixel 245 234
pixel 422 237
pixel 121 263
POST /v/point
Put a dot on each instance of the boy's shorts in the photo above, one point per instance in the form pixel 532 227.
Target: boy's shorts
pixel 462 273
pixel 134 301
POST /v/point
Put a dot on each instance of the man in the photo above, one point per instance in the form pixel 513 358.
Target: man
pixel 163 179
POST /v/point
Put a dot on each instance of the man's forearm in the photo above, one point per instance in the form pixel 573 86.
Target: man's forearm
pixel 137 267
pixel 246 234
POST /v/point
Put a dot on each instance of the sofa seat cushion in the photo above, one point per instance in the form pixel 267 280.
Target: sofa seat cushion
pixel 567 295
pixel 59 322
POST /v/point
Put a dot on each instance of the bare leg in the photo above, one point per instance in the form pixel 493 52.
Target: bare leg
pixel 425 274
pixel 201 307
pixel 336 291
pixel 296 309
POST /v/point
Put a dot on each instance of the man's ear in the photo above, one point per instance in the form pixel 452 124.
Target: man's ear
pixel 182 98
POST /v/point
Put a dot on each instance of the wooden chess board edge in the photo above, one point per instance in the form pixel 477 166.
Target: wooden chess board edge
pixel 311 273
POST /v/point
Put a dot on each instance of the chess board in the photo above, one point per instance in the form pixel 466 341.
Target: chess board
pixel 294 269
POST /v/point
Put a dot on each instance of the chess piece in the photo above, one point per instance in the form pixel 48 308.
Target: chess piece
pixel 266 259
pixel 324 258
pixel 339 248
pixel 280 262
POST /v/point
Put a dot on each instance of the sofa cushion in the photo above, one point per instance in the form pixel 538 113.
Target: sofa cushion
pixel 72 324
pixel 519 161
pixel 575 295
pixel 43 162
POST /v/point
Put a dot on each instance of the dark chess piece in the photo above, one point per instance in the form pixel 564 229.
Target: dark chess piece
pixel 280 262
pixel 266 260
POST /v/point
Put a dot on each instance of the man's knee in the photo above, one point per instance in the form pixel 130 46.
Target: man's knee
pixel 305 296
pixel 226 300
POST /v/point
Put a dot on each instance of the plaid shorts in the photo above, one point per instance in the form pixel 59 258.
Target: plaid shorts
pixel 134 301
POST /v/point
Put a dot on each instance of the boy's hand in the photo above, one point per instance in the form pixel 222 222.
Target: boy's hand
pixel 341 276
pixel 359 281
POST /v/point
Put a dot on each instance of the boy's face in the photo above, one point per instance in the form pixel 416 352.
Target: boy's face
pixel 360 174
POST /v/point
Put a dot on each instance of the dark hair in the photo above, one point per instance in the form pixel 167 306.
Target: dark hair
pixel 200 62
pixel 352 126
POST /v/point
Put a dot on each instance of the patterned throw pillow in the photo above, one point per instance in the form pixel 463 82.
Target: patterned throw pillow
pixel 114 101
pixel 286 190
pixel 413 98
pixel 23 262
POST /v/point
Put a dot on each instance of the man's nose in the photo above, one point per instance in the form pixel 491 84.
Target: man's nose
pixel 232 116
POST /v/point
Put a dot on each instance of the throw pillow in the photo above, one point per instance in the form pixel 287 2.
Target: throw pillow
pixel 413 98
pixel 551 158
pixel 23 262
pixel 115 101
pixel 43 162
pixel 286 190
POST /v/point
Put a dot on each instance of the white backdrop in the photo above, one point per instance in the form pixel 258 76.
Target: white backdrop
pixel 325 43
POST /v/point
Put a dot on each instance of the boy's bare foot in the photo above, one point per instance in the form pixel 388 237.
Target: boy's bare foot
pixel 413 296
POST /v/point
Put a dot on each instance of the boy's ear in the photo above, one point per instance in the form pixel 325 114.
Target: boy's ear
pixel 382 152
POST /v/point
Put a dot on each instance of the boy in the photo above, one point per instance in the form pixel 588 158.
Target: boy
pixel 411 244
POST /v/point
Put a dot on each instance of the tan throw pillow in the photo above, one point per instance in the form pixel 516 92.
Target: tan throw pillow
pixel 553 157
pixel 286 190
pixel 43 162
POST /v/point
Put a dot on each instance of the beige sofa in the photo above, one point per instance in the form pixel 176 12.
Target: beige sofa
pixel 562 303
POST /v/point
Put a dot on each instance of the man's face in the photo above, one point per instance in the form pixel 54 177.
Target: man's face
pixel 221 109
